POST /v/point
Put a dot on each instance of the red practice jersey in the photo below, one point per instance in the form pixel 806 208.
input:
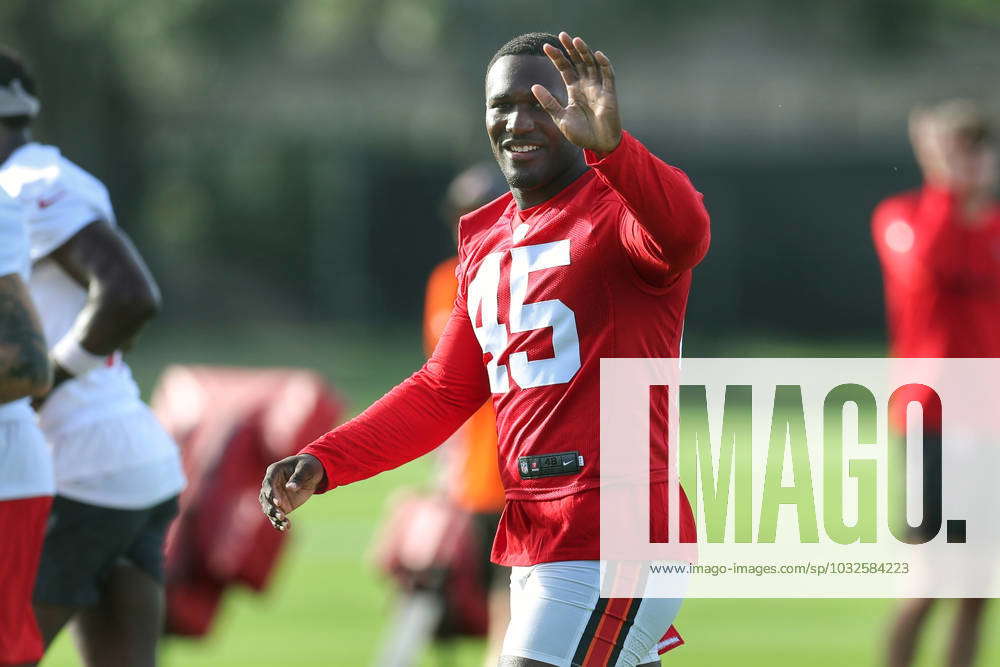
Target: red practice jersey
pixel 600 270
pixel 942 277
pixel 942 281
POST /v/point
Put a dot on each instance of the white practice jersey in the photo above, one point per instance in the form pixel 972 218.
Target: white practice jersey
pixel 13 260
pixel 61 199
pixel 13 238
pixel 25 462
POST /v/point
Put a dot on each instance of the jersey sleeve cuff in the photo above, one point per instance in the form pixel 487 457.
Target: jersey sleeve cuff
pixel 614 157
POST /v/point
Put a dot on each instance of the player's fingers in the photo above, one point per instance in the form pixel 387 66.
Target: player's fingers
pixel 301 477
pixel 277 476
pixel 266 495
pixel 567 43
pixel 265 504
pixel 279 498
pixel 586 56
pixel 277 518
pixel 280 524
pixel 583 70
pixel 607 71
pixel 273 514
pixel 565 67
pixel 548 101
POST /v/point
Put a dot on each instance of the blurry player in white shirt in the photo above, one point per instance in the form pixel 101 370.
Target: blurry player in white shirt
pixel 26 484
pixel 117 472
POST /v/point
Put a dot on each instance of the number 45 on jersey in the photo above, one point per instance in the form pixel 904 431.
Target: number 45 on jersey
pixel 492 336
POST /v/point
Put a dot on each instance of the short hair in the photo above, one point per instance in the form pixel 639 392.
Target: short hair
pixel 528 44
pixel 965 118
pixel 12 68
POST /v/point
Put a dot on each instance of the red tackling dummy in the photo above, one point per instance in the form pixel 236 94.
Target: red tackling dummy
pixel 230 423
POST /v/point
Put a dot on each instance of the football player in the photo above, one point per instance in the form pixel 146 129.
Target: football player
pixel 118 473
pixel 588 256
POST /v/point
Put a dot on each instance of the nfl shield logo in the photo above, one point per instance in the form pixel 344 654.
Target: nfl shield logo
pixel 524 467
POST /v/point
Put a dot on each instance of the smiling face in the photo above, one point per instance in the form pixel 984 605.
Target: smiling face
pixel 535 157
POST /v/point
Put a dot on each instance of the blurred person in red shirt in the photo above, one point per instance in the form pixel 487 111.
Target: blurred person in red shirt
pixel 939 247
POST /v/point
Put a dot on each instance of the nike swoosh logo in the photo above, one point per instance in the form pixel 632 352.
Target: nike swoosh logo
pixel 45 203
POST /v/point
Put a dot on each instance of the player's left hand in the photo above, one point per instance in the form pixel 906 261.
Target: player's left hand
pixel 288 484
pixel 590 118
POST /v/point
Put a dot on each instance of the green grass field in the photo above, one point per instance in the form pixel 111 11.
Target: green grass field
pixel 326 606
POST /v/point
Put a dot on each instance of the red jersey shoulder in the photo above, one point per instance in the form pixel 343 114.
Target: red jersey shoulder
pixel 592 200
pixel 472 225
pixel 598 198
pixel 900 205
pixel 897 208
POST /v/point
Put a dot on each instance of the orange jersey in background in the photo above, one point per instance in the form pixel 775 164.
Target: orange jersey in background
pixel 474 481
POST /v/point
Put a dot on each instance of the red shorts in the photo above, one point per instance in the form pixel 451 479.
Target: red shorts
pixel 22 525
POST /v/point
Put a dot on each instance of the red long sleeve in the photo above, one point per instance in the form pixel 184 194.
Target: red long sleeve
pixel 415 416
pixel 919 237
pixel 939 238
pixel 666 229
pixel 942 284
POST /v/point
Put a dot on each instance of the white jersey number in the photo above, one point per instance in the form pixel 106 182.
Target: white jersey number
pixel 492 336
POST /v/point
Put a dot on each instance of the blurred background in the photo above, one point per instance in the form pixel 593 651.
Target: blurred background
pixel 281 166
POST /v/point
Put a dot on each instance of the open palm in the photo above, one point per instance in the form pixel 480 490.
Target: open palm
pixel 590 118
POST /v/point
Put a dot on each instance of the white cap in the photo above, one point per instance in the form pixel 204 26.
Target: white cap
pixel 16 101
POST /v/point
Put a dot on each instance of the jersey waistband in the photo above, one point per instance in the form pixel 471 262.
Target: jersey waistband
pixel 578 485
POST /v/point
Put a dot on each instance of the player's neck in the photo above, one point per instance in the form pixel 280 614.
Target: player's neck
pixel 534 197
pixel 10 141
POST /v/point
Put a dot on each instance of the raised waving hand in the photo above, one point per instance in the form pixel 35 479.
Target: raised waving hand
pixel 590 118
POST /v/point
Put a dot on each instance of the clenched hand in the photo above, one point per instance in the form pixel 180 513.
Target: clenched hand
pixel 287 484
